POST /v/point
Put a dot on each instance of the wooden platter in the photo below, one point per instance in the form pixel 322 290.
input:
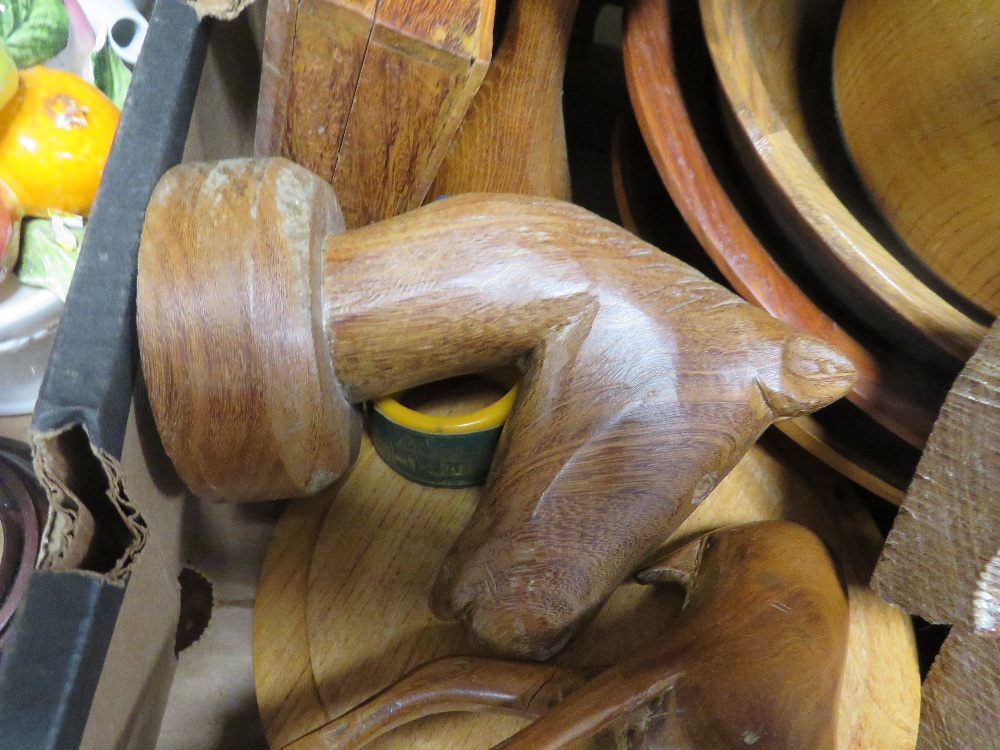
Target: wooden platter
pixel 761 53
pixel 673 93
pixel 341 609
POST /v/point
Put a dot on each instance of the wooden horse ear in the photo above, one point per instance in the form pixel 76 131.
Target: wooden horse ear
pixel 810 370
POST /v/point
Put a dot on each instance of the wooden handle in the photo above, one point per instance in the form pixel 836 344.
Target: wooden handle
pixel 513 139
pixel 458 683
pixel 644 381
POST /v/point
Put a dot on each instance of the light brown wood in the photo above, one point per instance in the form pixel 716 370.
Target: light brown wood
pixel 942 558
pixel 513 139
pixel 635 364
pixel 689 689
pixel 924 136
pixel 369 93
pixel 961 704
pixel 371 616
pixel 756 47
pixel 446 685
pixel 281 439
pixel 287 695
pixel 671 86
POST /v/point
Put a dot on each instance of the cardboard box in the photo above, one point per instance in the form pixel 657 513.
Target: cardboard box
pixel 106 592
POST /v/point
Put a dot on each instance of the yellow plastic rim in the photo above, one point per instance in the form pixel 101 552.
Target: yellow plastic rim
pixel 487 418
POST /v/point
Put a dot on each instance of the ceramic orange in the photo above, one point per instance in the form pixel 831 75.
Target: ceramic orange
pixel 55 135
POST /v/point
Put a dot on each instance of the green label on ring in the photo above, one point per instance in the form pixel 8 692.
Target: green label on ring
pixel 461 460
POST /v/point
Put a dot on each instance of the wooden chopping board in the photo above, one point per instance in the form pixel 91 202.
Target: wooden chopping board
pixel 341 608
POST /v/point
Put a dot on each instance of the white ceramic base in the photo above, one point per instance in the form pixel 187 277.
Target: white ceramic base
pixel 28 320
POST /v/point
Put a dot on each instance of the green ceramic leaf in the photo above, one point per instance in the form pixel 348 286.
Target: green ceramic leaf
pixel 49 249
pixel 110 74
pixel 34 30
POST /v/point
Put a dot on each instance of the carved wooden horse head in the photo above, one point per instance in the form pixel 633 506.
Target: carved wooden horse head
pixel 261 323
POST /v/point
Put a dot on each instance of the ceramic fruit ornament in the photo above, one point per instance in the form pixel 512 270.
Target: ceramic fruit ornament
pixel 55 136
pixel 8 75
pixel 10 223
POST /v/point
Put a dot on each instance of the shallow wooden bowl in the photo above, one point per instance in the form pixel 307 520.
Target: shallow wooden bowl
pixel 772 58
pixel 673 93
pixel 917 87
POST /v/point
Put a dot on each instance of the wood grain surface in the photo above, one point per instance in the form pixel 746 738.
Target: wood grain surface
pixel 961 705
pixel 632 361
pixel 369 93
pixel 918 98
pixel 733 688
pixel 902 397
pixel 376 510
pixel 276 416
pixel 756 47
pixel 942 557
pixel 513 139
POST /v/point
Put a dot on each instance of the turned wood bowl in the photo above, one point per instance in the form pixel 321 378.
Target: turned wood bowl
pixel 673 92
pixel 773 64
pixel 917 89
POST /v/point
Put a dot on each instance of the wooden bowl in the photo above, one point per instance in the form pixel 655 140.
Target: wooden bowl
pixel 772 59
pixel 672 89
pixel 917 89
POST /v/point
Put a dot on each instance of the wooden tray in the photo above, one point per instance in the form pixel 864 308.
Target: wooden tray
pixel 673 94
pixel 341 609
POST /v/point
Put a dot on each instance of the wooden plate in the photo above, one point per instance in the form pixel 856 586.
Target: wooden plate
pixel 672 89
pixel 341 608
pixel 764 53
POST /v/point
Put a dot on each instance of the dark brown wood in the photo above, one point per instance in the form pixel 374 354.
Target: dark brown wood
pixel 636 366
pixel 942 557
pixel 841 435
pixel 898 395
pixel 513 139
pixel 961 695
